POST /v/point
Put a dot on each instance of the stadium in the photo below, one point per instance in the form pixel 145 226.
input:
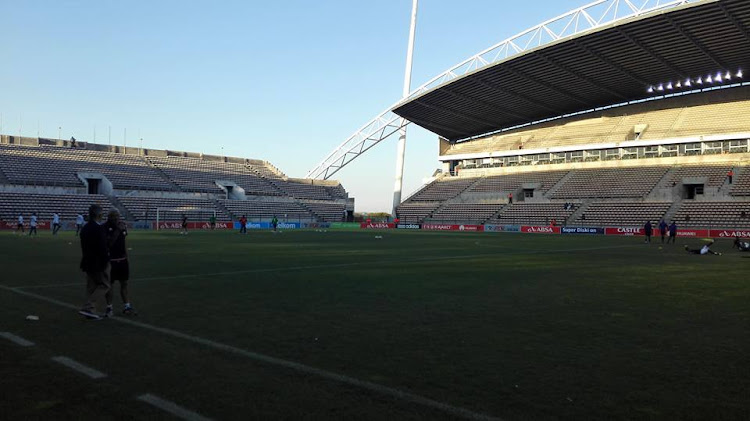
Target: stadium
pixel 549 301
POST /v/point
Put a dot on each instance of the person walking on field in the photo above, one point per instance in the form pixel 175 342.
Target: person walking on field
pixel 20 224
pixel 672 233
pixel 55 223
pixel 648 230
pixel 94 262
pixel 79 223
pixel 662 230
pixel 117 231
pixel 243 225
pixel 32 225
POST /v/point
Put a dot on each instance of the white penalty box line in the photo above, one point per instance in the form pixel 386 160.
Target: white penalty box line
pixel 299 367
pixel 16 339
pixel 81 368
pixel 171 408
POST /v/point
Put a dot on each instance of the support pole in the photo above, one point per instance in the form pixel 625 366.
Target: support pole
pixel 401 150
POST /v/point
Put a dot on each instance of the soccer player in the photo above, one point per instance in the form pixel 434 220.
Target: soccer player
pixel 275 223
pixel 117 231
pixel 648 230
pixel 55 223
pixel 672 233
pixel 741 245
pixel 94 262
pixel 79 223
pixel 662 230
pixel 184 224
pixel 706 249
pixel 20 224
pixel 212 221
pixel 243 225
pixel 32 224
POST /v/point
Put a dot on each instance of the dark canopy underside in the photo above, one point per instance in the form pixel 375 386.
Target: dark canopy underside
pixel 609 66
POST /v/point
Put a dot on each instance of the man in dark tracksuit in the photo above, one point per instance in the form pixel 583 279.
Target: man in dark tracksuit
pixel 647 229
pixel 117 231
pixel 94 262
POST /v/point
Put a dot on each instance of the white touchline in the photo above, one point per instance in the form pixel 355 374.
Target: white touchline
pixel 334 265
pixel 302 368
pixel 75 365
pixel 16 339
pixel 172 408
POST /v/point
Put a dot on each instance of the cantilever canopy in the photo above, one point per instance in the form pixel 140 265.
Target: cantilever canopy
pixel 613 64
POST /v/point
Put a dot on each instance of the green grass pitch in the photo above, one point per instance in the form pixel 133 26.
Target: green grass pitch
pixel 505 325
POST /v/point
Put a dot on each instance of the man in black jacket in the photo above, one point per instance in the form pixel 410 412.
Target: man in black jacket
pixel 94 262
pixel 117 231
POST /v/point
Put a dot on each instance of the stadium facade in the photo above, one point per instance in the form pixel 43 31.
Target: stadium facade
pixel 155 188
pixel 642 117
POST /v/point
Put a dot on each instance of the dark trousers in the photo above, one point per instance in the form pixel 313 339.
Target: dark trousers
pixel 32 230
pixel 78 229
pixel 243 229
pixel 55 229
pixel 671 238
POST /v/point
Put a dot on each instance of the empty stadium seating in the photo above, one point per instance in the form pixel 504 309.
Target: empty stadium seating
pixel 415 212
pixel 713 214
pixel 263 209
pixel 716 174
pixel 610 182
pixel 513 182
pixel 326 211
pixel 144 208
pixel 58 167
pixel 465 212
pixel 634 214
pixel 443 189
pixel 534 214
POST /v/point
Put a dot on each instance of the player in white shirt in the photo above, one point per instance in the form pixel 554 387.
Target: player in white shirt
pixel 20 224
pixel 741 245
pixel 706 249
pixel 79 223
pixel 55 223
pixel 32 224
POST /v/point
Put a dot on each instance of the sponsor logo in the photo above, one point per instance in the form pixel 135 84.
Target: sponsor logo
pixel 449 227
pixel 540 230
pixel 730 233
pixel 377 225
pixel 408 226
pixel 288 225
pixel 623 231
pixel 438 227
pixel 581 230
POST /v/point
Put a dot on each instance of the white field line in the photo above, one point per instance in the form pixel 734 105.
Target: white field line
pixel 172 408
pixel 75 365
pixel 292 365
pixel 16 339
pixel 338 265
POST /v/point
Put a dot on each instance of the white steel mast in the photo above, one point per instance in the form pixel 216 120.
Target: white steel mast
pixel 401 151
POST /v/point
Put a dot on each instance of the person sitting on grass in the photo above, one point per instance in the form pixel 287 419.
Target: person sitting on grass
pixel 706 249
pixel 741 245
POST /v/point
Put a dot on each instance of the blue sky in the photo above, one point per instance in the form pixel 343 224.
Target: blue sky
pixel 282 81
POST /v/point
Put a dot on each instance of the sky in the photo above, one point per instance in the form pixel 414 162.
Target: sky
pixel 283 81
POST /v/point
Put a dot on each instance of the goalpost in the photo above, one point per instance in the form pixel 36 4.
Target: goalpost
pixel 175 214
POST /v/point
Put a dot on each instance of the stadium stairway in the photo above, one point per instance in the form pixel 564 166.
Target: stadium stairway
pixel 559 184
pixel 499 211
pixel 163 174
pixel 223 208
pixel 583 206
pixel 672 211
pixel 663 190
pixel 419 190
pixel 726 188
pixel 124 212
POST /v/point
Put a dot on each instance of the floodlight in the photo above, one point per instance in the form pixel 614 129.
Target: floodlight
pixel 739 74
pixel 718 77
pixel 708 79
pixel 687 83
pixel 678 85
pixel 728 76
pixel 699 81
pixel 650 89
pixel 660 88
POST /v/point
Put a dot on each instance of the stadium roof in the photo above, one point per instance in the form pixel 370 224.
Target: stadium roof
pixel 665 51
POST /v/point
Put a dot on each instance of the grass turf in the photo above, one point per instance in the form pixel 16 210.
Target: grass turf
pixel 514 326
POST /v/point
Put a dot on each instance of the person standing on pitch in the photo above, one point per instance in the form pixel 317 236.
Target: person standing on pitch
pixel 20 224
pixel 672 233
pixel 662 230
pixel 243 225
pixel 94 262
pixel 648 230
pixel 79 223
pixel 55 223
pixel 184 224
pixel 32 224
pixel 275 223
pixel 117 231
